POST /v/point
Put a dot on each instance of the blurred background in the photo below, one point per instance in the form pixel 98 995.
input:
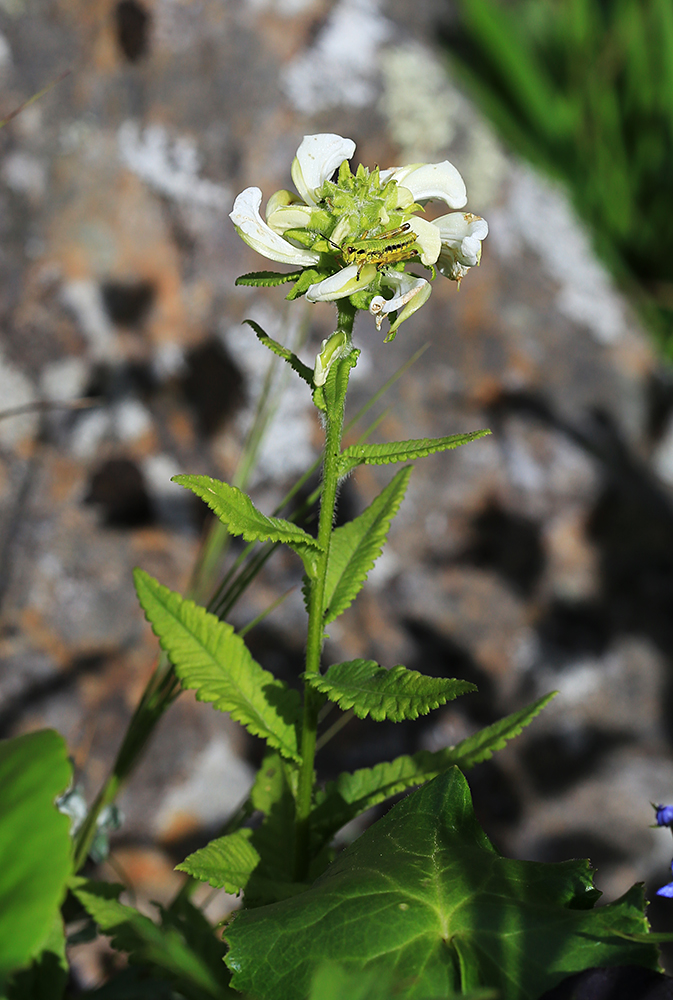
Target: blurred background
pixel 540 558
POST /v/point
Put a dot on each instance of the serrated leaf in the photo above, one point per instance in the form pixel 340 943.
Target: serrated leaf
pixel 267 279
pixel 395 694
pixel 236 510
pixel 357 545
pixel 211 659
pixel 225 863
pixel 424 892
pixel 163 949
pixel 353 793
pixel 35 846
pixel 282 352
pixel 401 451
pixel 308 277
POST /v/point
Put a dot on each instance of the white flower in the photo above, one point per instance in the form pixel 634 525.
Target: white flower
pixel 461 236
pixel 257 234
pixel 317 158
pixel 344 282
pixel 410 294
pixel 426 181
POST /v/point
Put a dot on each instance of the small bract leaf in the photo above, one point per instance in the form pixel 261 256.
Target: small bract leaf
pixel 267 279
pixel 210 658
pixel 357 545
pixel 394 694
pixel 236 510
pixel 282 352
pixel 424 892
pixel 401 451
pixel 35 847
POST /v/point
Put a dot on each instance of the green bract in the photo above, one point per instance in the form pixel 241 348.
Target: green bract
pixel 354 236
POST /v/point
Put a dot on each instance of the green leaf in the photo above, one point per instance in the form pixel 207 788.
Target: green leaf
pixel 162 948
pixel 334 982
pixel 394 694
pixel 267 279
pixel 401 451
pixel 352 794
pixel 425 893
pixel 132 984
pixel 282 352
pixel 357 545
pixel 35 848
pixel 236 510
pixel 210 658
pixel 46 977
pixel 225 863
pixel 308 277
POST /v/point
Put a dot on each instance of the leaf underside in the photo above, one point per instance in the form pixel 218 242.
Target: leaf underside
pixel 211 659
pixel 395 694
pixel 424 893
pixel 351 794
pixel 356 546
pixel 236 510
pixel 401 451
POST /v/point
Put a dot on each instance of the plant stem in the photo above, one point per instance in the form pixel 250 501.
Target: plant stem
pixel 335 396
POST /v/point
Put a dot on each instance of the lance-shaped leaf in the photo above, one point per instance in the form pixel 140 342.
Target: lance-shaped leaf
pixel 267 279
pixel 425 893
pixel 35 846
pixel 210 658
pixel 237 511
pixel 282 352
pixel 351 794
pixel 226 862
pixel 165 949
pixel 357 545
pixel 394 694
pixel 401 451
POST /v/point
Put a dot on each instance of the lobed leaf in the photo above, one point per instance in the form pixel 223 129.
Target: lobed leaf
pixel 35 847
pixel 236 510
pixel 351 794
pixel 356 546
pixel 423 892
pixel 211 659
pixel 267 279
pixel 282 352
pixel 401 451
pixel 395 694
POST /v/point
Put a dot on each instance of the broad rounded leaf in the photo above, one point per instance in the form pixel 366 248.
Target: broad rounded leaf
pixel 35 848
pixel 394 694
pixel 424 893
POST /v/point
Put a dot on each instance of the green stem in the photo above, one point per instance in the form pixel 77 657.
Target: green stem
pixel 335 397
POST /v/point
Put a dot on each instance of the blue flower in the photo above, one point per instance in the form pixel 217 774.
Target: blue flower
pixel 664 815
pixel 666 890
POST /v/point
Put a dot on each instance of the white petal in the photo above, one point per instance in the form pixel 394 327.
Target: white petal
pixel 255 232
pixel 428 238
pixel 410 294
pixel 289 217
pixel 317 158
pixel 341 284
pixel 458 225
pixel 431 180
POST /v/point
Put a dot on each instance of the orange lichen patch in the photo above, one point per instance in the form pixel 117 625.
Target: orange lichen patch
pixel 65 478
pixel 149 872
pixel 182 824
pixel 43 637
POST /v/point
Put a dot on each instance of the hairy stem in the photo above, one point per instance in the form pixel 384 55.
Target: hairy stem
pixel 334 419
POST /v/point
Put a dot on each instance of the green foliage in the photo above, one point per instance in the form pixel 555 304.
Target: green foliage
pixel 183 949
pixel 425 893
pixel 394 694
pixel 210 658
pixel 352 794
pixel 226 863
pixel 308 277
pixel 236 510
pixel 401 451
pixel 355 547
pixel 266 279
pixel 47 975
pixel 585 91
pixel 35 849
pixel 334 982
pixel 285 353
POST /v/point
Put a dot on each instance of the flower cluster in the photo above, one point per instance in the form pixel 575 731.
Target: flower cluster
pixel 354 236
pixel 664 817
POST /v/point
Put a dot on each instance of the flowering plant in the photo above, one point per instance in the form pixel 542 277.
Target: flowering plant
pixel 353 237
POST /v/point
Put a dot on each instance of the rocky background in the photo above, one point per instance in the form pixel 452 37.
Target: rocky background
pixel 538 558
